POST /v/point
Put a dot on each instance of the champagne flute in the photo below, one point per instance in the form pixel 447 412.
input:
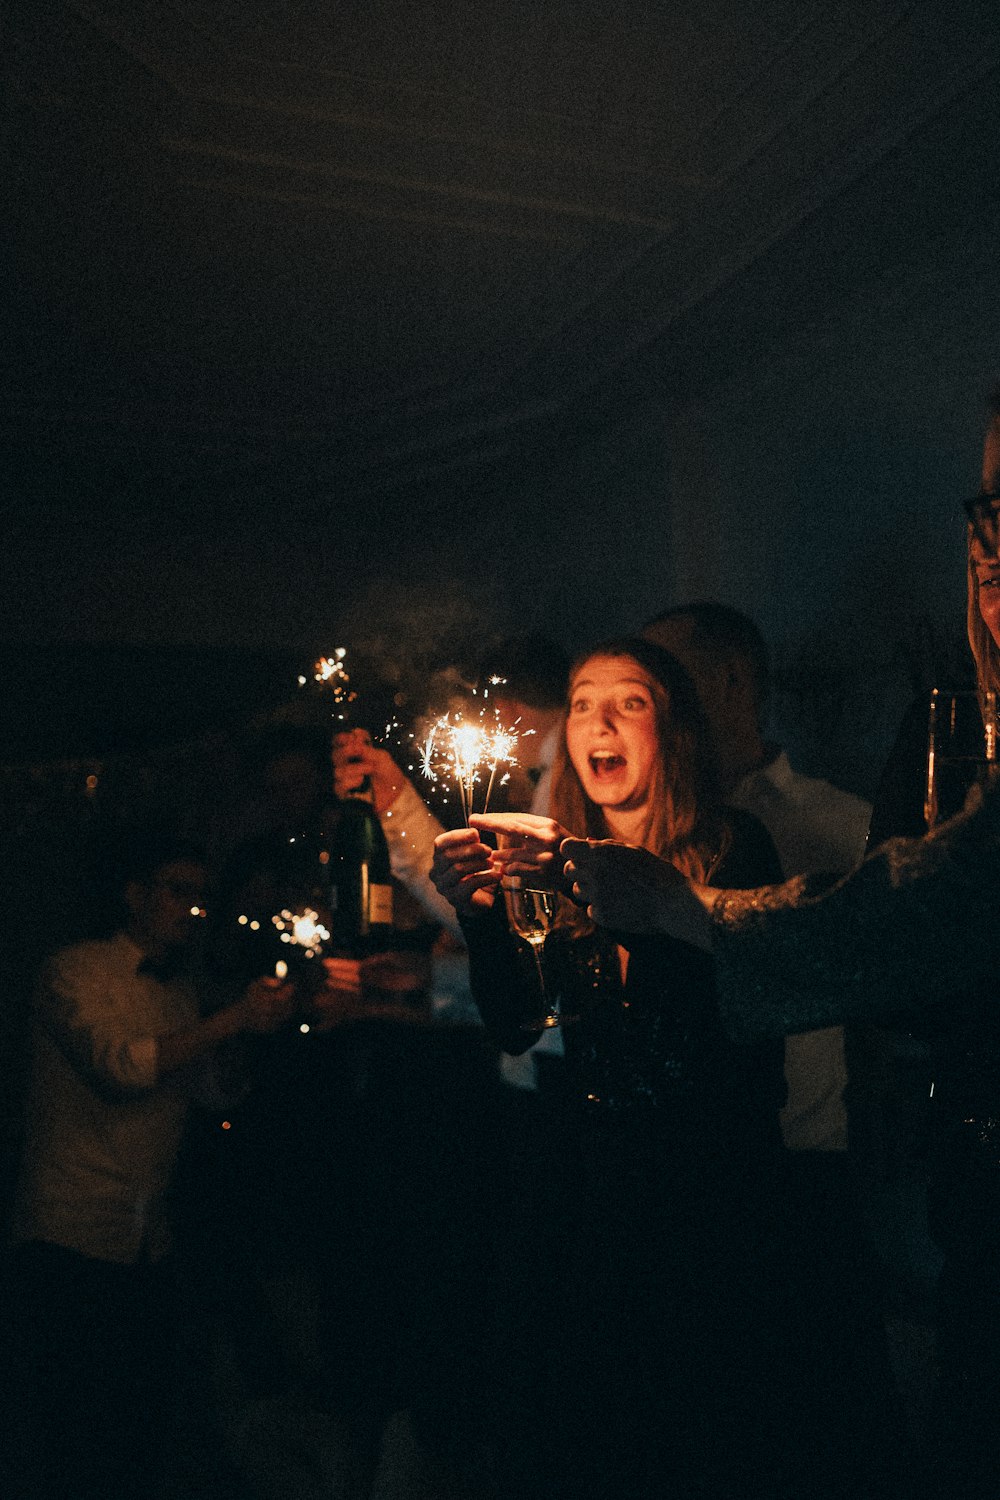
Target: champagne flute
pixel 961 749
pixel 531 913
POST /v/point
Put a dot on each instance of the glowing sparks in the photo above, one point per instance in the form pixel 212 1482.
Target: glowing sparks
pixel 331 673
pixel 468 752
pixel 303 929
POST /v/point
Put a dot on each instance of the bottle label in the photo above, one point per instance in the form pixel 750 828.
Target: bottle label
pixel 380 904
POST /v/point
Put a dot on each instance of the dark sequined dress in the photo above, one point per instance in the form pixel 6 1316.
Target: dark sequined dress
pixel 658 1256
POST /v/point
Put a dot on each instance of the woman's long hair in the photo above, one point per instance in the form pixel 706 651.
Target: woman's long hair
pixel 685 823
pixel 985 651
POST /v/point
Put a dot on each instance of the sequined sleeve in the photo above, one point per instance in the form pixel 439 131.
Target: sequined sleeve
pixel 916 922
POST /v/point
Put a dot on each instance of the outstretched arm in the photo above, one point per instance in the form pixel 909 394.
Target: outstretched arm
pixel 265 1006
pixel 911 926
pixel 629 890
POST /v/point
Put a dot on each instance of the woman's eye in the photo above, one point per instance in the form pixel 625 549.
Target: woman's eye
pixel 579 706
pixel 989 583
pixel 634 705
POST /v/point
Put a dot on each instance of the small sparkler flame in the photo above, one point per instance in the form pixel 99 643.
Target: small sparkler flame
pixel 468 752
pixel 304 929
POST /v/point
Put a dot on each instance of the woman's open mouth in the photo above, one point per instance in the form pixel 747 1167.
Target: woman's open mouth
pixel 605 763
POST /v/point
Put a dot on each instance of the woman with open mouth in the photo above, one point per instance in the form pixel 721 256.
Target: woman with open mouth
pixel 653 1286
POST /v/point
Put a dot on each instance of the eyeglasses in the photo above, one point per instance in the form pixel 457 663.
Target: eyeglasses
pixel 982 506
pixel 983 512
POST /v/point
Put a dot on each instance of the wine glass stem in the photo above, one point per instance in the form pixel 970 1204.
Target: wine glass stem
pixel 536 950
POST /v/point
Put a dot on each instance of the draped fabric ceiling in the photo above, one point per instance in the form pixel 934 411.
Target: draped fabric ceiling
pixel 304 295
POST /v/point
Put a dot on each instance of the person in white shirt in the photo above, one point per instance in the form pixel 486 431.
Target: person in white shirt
pixel 117 1031
pixel 817 828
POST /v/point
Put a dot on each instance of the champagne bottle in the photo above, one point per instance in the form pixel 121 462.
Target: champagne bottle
pixel 360 879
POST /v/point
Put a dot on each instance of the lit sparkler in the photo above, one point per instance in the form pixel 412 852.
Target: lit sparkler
pixel 468 752
pixel 303 929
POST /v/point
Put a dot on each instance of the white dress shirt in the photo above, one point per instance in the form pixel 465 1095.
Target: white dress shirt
pixel 817 829
pixel 102 1132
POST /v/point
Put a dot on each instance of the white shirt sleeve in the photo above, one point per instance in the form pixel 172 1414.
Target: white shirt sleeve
pixel 410 830
pixel 76 1008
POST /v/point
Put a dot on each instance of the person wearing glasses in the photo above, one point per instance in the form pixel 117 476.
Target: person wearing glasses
pixel 914 922
pixel 910 939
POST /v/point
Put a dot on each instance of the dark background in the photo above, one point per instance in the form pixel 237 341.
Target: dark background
pixel 400 325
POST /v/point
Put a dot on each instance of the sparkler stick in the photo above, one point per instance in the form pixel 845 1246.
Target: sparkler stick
pixel 502 745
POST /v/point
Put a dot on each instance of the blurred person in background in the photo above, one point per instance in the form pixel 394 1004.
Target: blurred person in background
pixel 817 828
pixel 119 1042
pixel 527 677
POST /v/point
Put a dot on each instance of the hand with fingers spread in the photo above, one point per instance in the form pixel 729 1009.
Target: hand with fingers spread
pixel 628 889
pixel 357 761
pixel 527 844
pixel 380 986
pixel 343 979
pixel 462 871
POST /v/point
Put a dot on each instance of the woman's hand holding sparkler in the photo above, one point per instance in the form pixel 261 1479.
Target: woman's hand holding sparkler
pixel 463 873
pixel 357 761
pixel 529 867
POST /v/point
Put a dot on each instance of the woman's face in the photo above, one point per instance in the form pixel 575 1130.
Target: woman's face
pixel 982 550
pixel 611 732
pixel 987 569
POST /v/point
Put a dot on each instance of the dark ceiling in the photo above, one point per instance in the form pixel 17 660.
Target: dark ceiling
pixel 287 256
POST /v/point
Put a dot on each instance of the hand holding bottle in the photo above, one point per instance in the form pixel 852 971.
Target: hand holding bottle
pixel 358 764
